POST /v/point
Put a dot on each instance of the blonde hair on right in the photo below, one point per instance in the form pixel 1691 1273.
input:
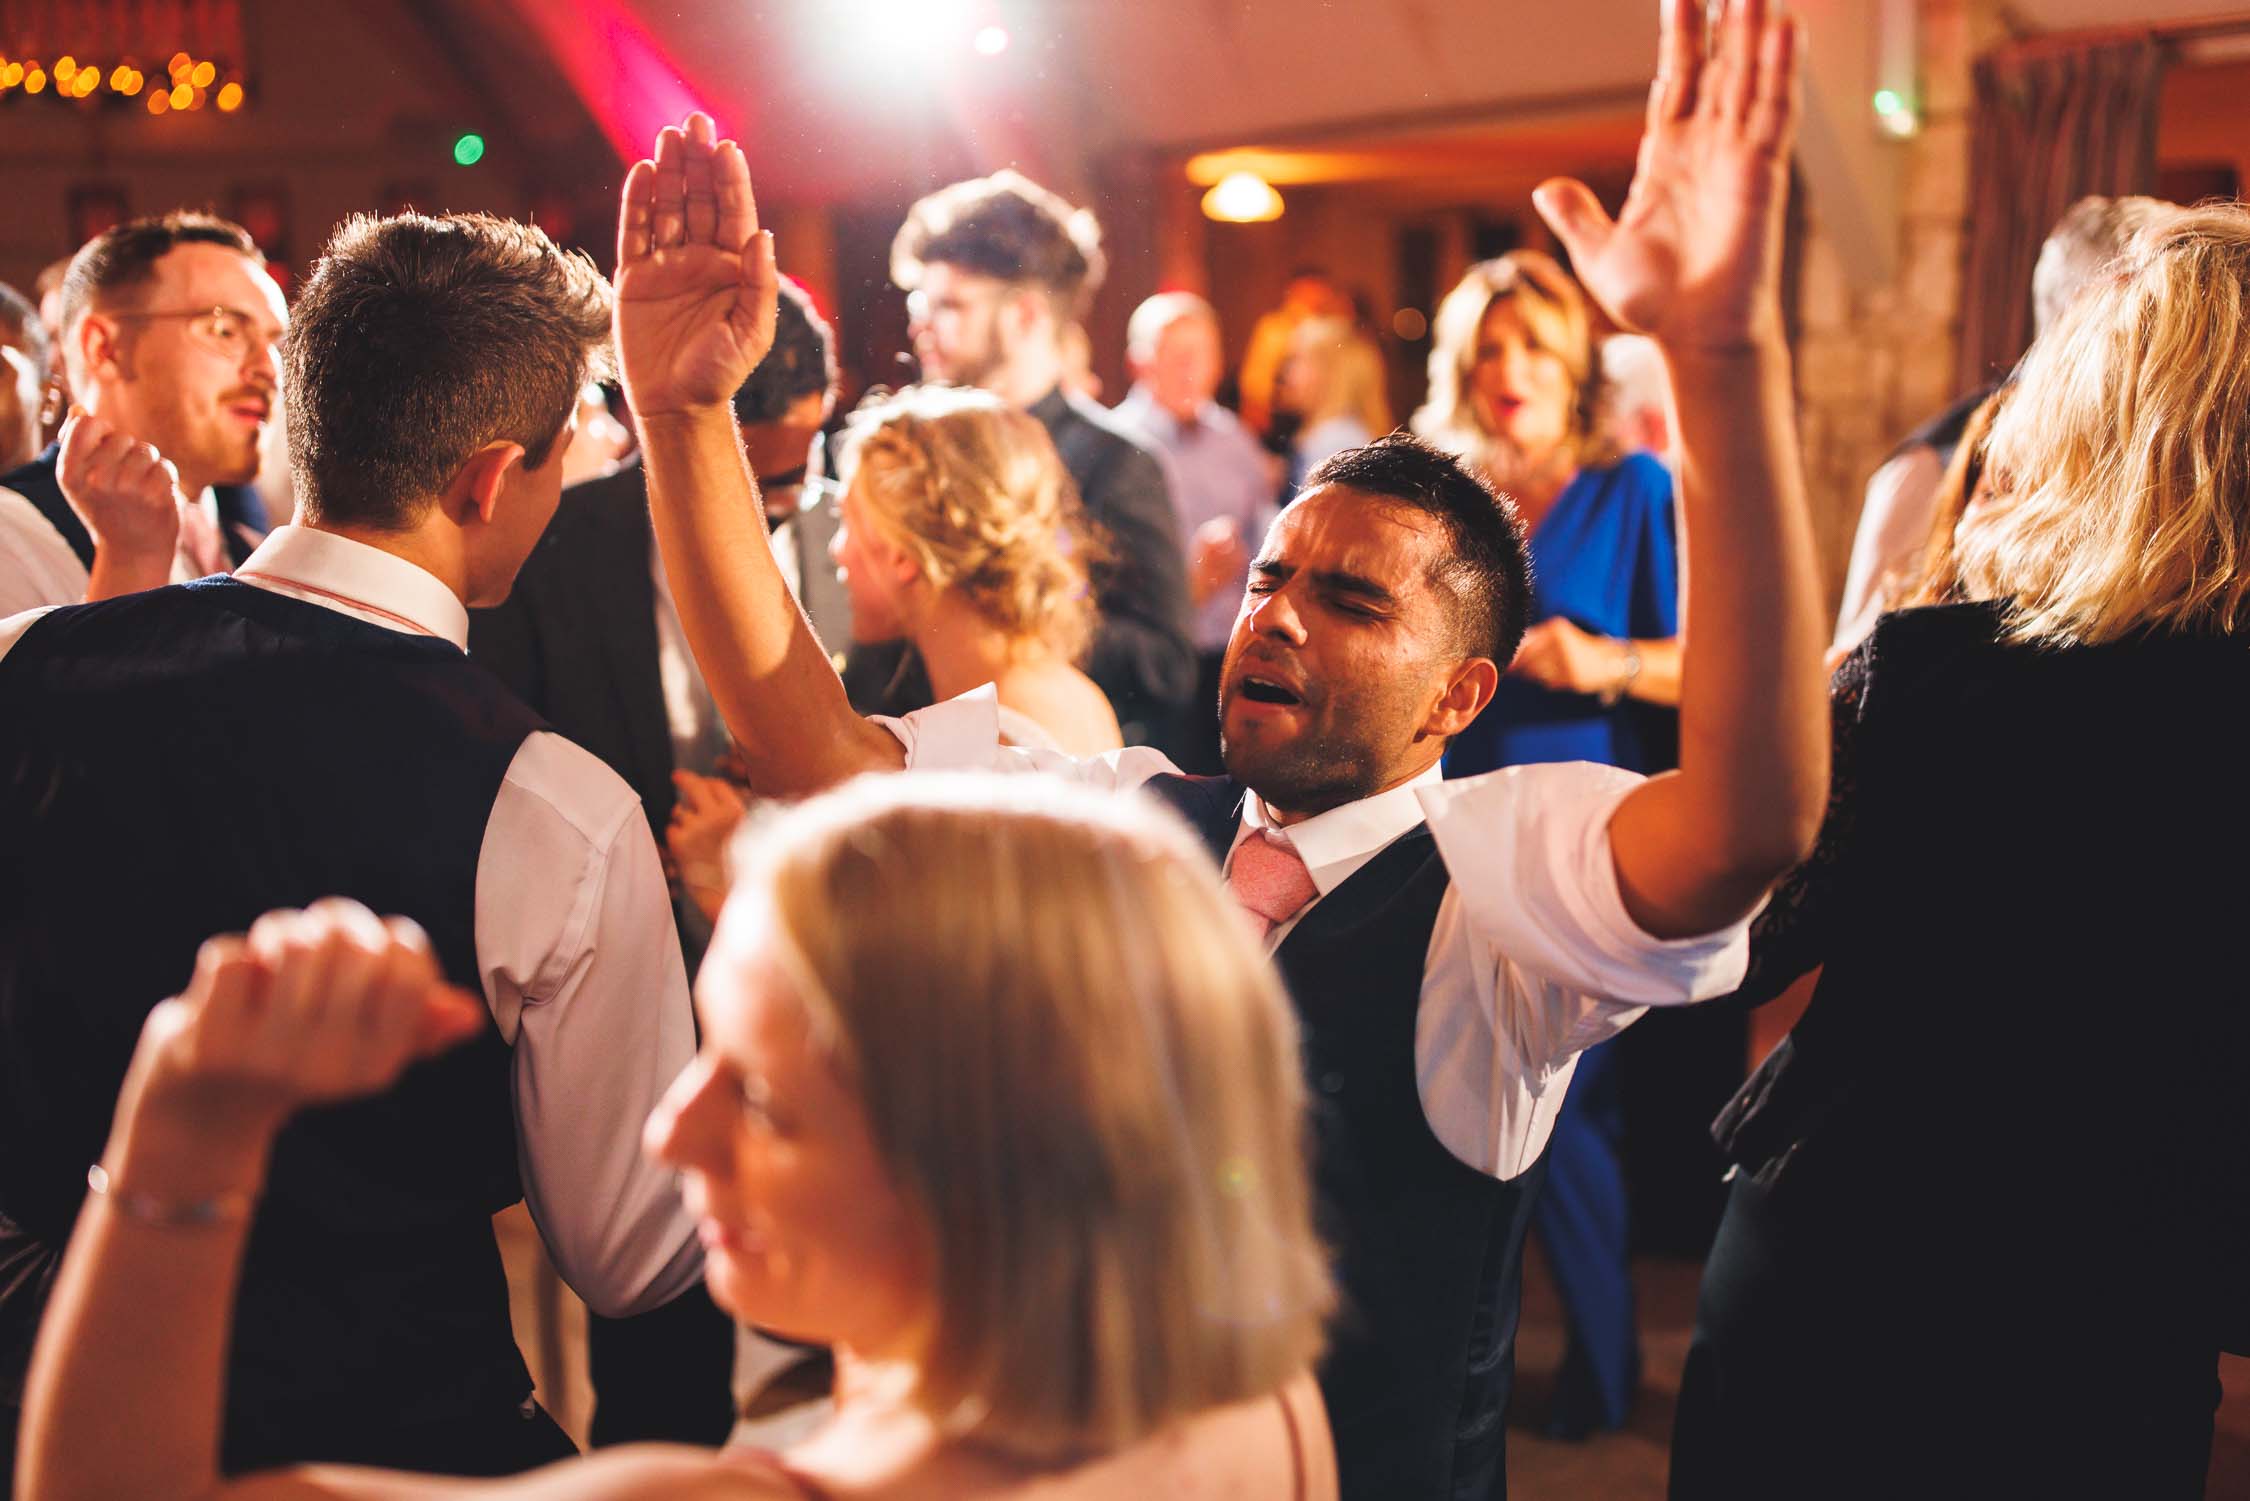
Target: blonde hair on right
pixel 2120 464
pixel 975 492
pixel 1076 1060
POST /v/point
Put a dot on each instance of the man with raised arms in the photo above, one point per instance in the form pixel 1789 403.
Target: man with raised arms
pixel 1451 946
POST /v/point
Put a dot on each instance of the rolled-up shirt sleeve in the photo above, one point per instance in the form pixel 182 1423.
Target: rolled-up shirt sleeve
pixel 1528 849
pixel 581 965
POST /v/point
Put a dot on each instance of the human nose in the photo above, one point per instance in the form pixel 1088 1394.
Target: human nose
pixel 261 360
pixel 1274 615
pixel 683 1131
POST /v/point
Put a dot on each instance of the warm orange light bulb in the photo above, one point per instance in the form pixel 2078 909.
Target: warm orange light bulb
pixel 179 64
pixel 182 96
pixel 230 97
pixel 35 80
pixel 159 101
pixel 66 68
pixel 203 75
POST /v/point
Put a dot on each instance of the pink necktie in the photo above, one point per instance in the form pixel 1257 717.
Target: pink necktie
pixel 1269 879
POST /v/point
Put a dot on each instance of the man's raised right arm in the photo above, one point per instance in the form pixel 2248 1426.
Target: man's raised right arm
pixel 695 314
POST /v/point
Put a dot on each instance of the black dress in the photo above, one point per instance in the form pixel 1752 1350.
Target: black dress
pixel 1990 1226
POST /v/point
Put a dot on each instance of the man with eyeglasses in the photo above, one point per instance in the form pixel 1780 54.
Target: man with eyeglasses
pixel 171 335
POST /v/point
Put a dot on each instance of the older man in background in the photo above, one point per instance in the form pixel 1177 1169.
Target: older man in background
pixel 1223 483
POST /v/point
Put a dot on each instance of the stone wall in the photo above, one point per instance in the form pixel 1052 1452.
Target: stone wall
pixel 1873 362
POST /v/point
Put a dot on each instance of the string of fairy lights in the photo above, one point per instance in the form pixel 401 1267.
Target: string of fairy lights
pixel 186 84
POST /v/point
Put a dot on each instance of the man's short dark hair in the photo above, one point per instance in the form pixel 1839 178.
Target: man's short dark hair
pixel 21 328
pixel 801 363
pixel 418 340
pixel 1486 568
pixel 110 265
pixel 1006 227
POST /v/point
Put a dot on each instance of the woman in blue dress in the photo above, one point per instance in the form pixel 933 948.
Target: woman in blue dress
pixel 1515 388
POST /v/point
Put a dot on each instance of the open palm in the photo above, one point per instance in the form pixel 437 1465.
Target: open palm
pixel 1694 257
pixel 695 275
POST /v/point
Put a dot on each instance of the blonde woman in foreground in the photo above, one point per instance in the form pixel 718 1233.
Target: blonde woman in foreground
pixel 963 532
pixel 1024 1145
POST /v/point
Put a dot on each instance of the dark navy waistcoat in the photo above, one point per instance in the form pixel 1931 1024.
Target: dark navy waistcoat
pixel 172 765
pixel 1429 1250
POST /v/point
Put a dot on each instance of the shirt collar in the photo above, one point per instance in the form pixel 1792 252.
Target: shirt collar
pixel 358 579
pixel 1338 842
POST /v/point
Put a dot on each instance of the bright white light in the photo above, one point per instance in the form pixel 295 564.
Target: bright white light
pixel 1242 198
pixel 992 40
pixel 908 25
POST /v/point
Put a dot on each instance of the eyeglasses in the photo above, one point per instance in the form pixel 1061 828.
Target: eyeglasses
pixel 223 330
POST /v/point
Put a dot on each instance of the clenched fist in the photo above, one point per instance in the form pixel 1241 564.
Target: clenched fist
pixel 128 496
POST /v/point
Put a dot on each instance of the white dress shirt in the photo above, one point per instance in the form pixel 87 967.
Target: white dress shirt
pixel 1533 958
pixel 38 568
pixel 576 954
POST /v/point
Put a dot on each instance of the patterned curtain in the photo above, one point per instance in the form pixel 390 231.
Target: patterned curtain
pixel 2055 120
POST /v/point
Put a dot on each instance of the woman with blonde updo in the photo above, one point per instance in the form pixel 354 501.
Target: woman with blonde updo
pixel 962 532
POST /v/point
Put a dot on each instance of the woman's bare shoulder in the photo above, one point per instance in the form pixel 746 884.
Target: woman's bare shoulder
pixel 1066 704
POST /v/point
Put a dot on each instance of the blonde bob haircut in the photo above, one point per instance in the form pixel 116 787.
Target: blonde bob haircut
pixel 975 493
pixel 1077 1063
pixel 2120 466
pixel 1560 321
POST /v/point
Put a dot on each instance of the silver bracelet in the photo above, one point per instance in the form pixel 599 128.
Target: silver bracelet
pixel 220 1209
pixel 1627 671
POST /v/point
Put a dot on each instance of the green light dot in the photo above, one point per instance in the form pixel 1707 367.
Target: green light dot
pixel 469 150
pixel 1888 102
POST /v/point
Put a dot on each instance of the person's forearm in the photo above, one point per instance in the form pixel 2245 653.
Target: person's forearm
pixel 780 696
pixel 1658 679
pixel 116 572
pixel 1746 802
pixel 136 1328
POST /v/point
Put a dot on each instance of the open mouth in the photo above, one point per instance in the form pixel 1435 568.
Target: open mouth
pixel 1264 690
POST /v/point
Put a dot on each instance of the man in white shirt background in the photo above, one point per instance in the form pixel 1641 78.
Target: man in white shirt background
pixel 1451 946
pixel 170 344
pixel 189 757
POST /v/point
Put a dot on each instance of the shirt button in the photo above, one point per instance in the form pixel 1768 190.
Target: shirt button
pixel 1332 1082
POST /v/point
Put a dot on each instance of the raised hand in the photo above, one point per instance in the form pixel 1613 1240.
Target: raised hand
pixel 695 274
pixel 324 1004
pixel 704 818
pixel 1694 258
pixel 126 493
